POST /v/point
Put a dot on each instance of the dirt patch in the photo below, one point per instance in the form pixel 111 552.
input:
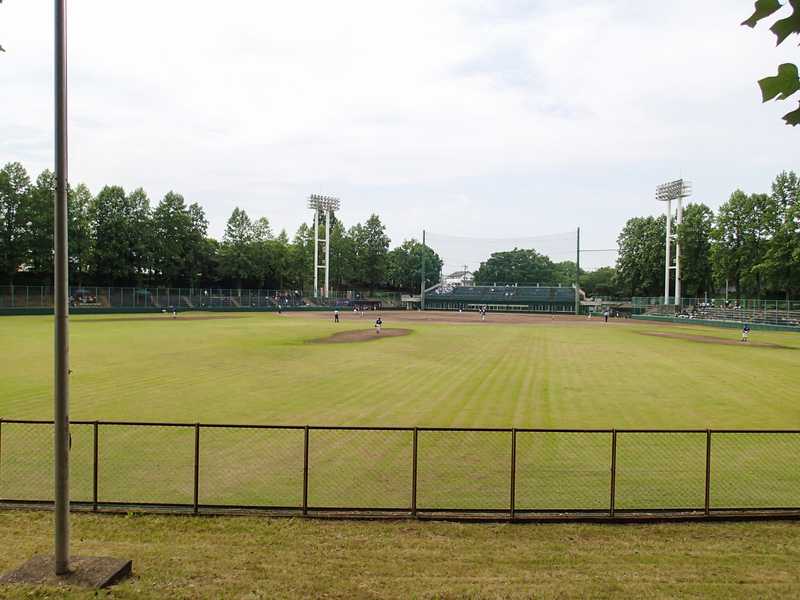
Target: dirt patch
pixel 708 339
pixel 360 335
pixel 161 317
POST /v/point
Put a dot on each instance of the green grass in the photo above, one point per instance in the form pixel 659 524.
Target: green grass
pixel 252 558
pixel 259 369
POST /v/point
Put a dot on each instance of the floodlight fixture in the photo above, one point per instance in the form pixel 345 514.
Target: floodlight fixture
pixel 673 190
pixel 320 202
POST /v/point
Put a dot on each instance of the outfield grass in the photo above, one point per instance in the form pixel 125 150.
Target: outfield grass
pixel 252 558
pixel 259 369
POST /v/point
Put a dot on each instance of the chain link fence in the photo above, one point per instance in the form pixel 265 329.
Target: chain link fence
pixel 516 473
pixel 189 298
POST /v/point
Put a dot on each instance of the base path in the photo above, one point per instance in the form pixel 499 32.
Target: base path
pixel 710 339
pixel 360 335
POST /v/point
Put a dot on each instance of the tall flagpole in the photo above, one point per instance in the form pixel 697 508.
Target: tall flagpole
pixel 61 397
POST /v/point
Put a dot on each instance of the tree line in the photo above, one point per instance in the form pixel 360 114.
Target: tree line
pixel 751 245
pixel 121 238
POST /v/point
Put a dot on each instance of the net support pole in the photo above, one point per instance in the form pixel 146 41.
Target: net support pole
pixel 61 309
pixel 422 282
pixel 578 274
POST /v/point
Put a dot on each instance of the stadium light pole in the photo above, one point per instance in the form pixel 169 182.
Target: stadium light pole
pixel 667 192
pixel 61 396
pixel 328 205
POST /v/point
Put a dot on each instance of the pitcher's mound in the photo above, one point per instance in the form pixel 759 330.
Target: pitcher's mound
pixel 709 339
pixel 360 335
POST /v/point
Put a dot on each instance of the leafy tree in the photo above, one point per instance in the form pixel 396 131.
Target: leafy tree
pixel 38 214
pixel 787 82
pixel 564 273
pixel 404 266
pixel 780 264
pixel 601 283
pixel 741 240
pixel 139 235
pixel 173 231
pixel 237 260
pixel 371 249
pixel 14 189
pixel 640 261
pixel 80 233
pixel 201 261
pixel 515 266
pixel 695 236
pixel 121 230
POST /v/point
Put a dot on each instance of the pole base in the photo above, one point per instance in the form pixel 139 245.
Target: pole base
pixel 92 572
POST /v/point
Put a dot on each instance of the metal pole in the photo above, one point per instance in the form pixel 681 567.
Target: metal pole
pixel 708 472
pixel 61 397
pixel 414 444
pixel 327 252
pixel 578 275
pixel 316 252
pixel 95 464
pixel 513 471
pixel 678 221
pixel 422 284
pixel 612 503
pixel 667 251
pixel 196 499
pixel 305 470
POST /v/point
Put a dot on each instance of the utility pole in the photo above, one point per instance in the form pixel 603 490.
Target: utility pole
pixel 578 275
pixel 422 284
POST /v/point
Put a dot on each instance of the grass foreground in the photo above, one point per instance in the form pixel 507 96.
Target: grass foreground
pixel 249 558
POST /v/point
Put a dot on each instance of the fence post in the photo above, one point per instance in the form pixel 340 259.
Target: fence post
pixel 513 470
pixel 613 471
pixel 414 474
pixel 708 472
pixel 196 467
pixel 95 455
pixel 305 470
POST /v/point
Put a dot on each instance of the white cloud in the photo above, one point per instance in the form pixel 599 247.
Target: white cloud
pixel 472 118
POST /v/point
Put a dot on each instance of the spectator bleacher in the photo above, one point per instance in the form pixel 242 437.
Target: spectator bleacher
pixel 503 297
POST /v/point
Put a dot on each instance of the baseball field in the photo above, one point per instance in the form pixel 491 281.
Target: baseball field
pixel 425 370
pixel 450 370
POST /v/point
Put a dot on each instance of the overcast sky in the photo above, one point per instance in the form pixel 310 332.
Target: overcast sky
pixel 492 119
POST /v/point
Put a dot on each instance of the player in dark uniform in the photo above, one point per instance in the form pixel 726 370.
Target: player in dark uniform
pixel 378 324
pixel 745 332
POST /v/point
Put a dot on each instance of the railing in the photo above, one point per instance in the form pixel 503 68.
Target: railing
pixel 771 312
pixel 405 471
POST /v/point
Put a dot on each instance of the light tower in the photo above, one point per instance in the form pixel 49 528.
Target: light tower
pixel 320 204
pixel 667 192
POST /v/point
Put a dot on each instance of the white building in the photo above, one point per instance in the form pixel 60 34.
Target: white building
pixel 459 278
